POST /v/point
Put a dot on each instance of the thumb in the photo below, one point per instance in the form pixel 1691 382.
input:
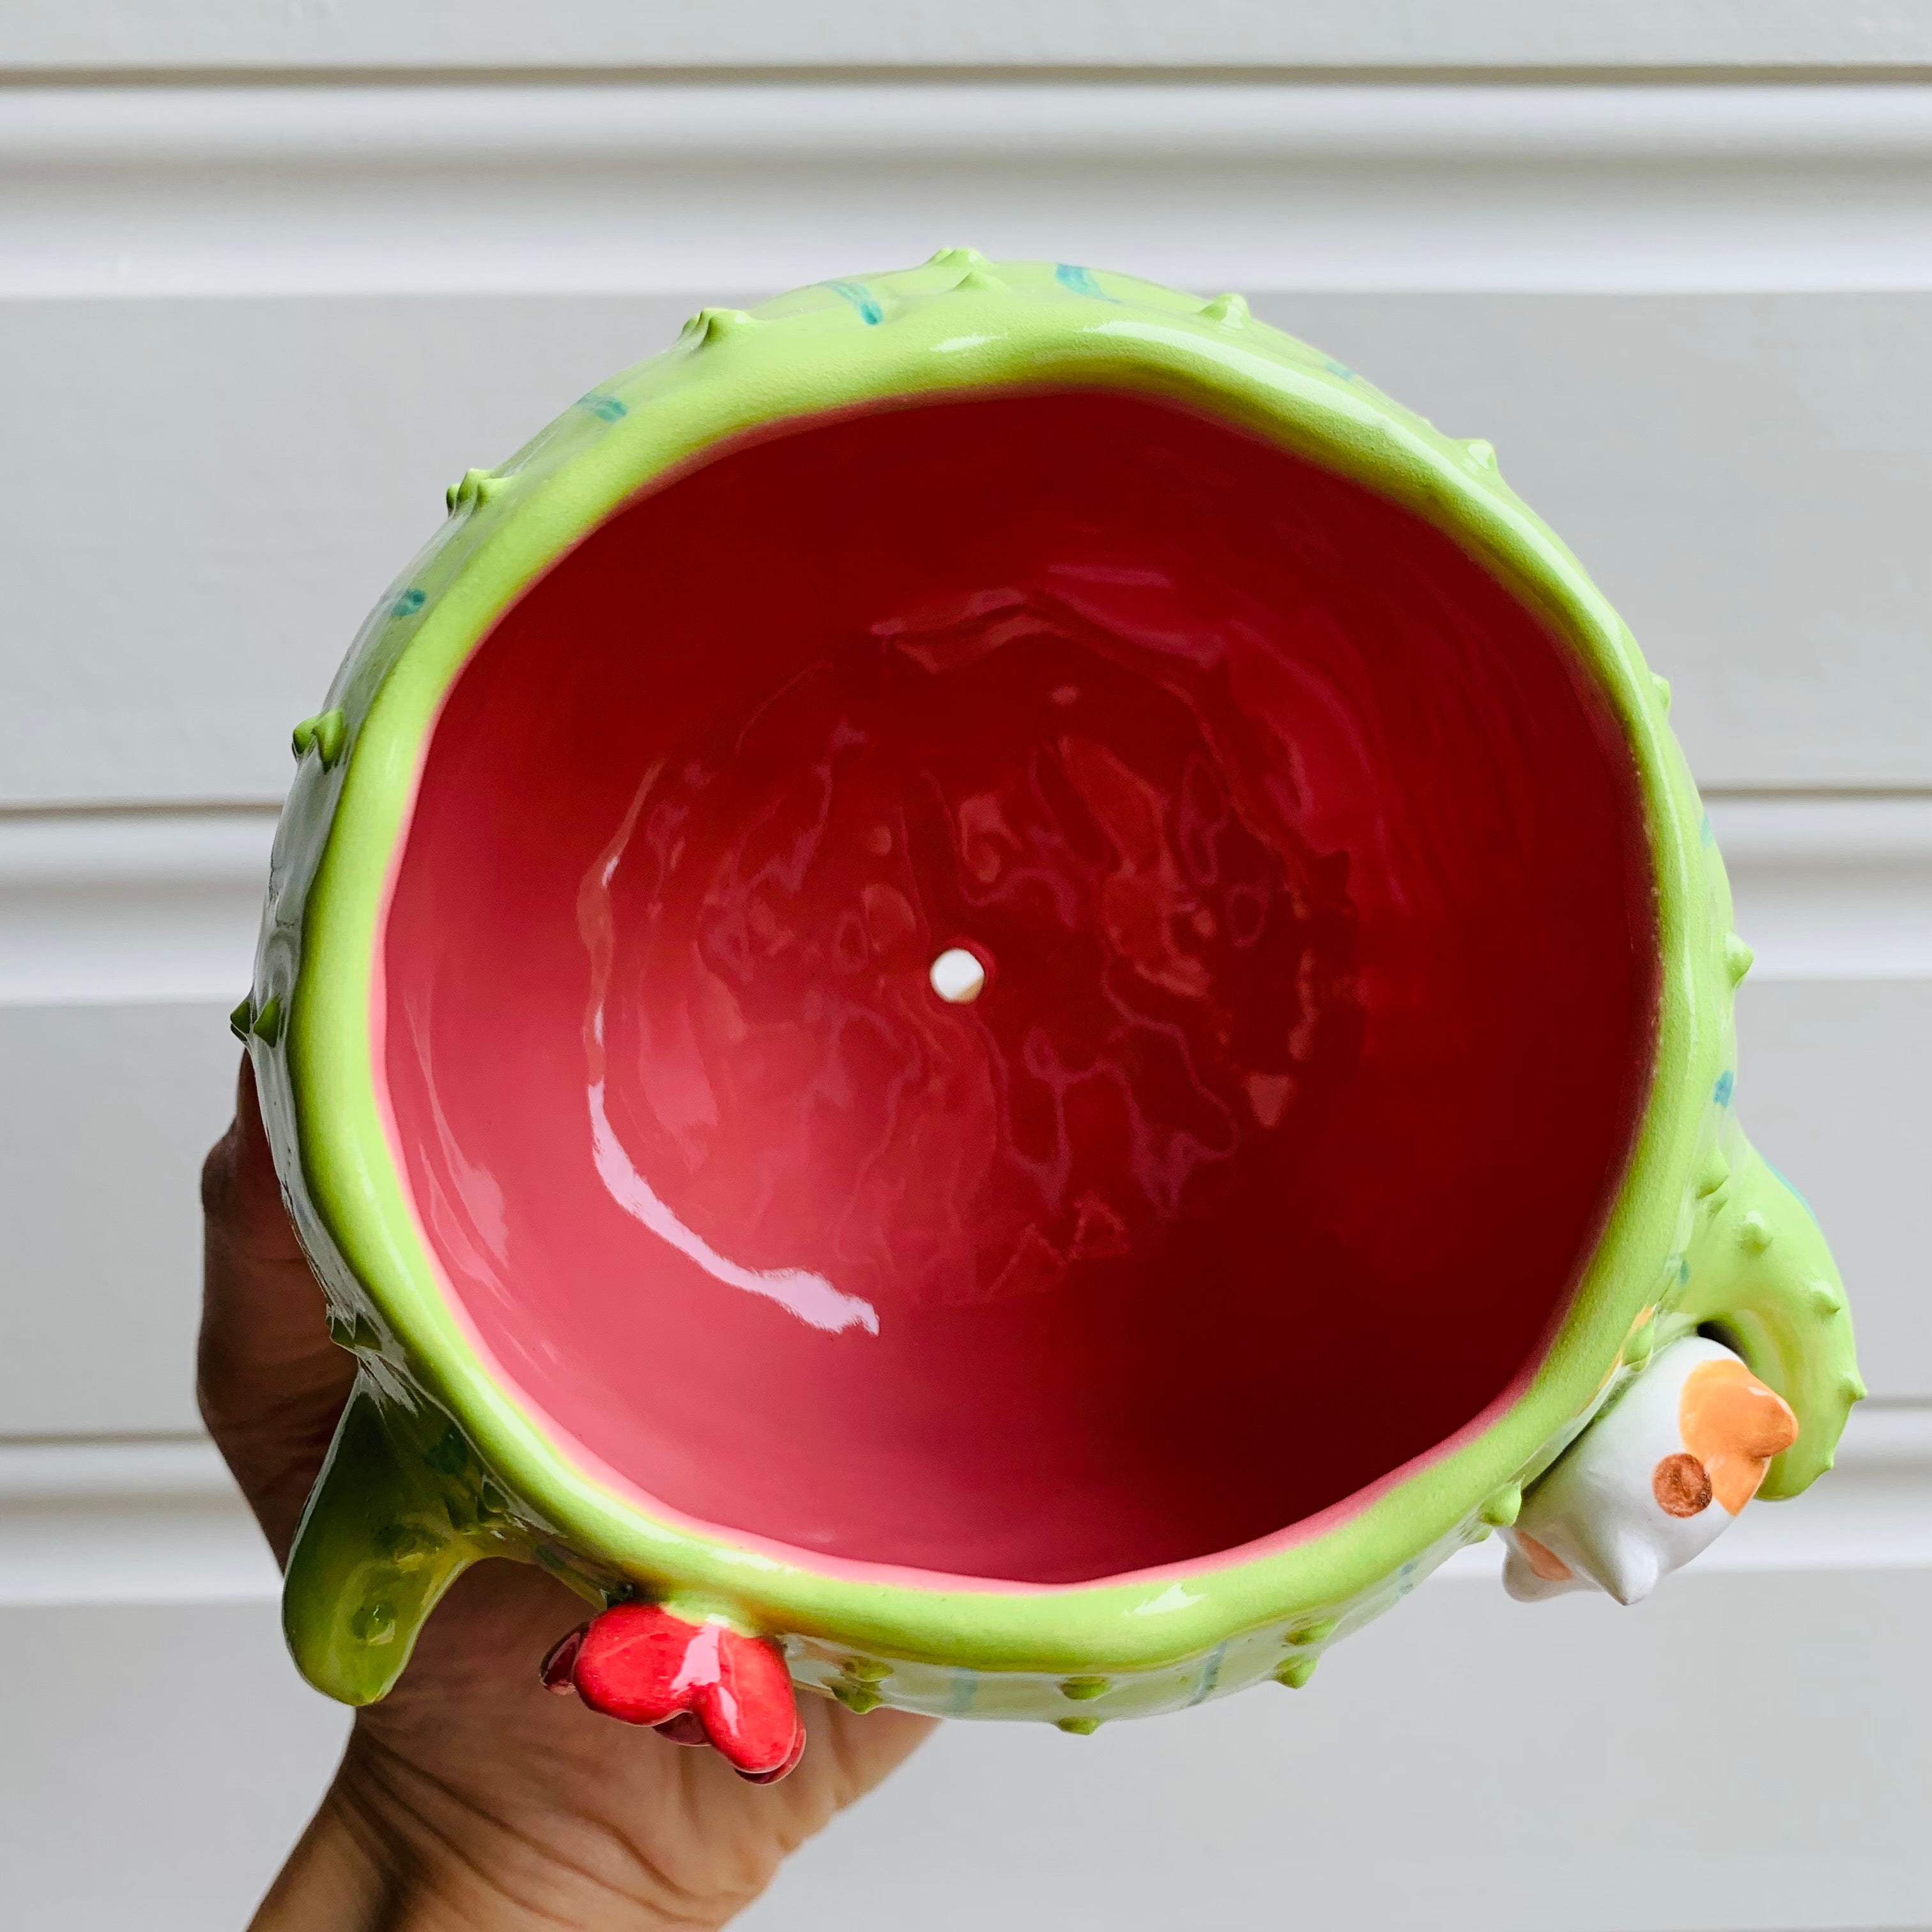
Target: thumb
pixel 271 1383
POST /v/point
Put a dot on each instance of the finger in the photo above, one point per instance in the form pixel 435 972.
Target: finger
pixel 239 1192
pixel 271 1383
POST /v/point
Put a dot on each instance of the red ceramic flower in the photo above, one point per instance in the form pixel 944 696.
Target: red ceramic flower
pixel 696 1683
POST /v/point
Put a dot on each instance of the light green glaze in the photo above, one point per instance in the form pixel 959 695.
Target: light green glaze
pixel 436 1466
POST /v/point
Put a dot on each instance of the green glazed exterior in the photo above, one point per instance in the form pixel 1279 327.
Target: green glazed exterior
pixel 436 1465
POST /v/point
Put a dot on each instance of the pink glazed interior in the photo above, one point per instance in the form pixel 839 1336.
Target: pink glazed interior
pixel 1309 878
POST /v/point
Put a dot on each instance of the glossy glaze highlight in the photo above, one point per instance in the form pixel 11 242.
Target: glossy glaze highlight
pixel 1306 873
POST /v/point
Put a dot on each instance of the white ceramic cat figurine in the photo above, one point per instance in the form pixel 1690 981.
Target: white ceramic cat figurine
pixel 1653 1481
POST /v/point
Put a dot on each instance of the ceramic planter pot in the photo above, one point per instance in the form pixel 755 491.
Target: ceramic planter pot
pixel 990 993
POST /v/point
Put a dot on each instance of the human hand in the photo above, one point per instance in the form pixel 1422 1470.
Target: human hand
pixel 469 1797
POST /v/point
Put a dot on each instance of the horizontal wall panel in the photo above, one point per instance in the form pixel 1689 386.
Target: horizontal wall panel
pixel 597 187
pixel 1835 1086
pixel 1741 1753
pixel 108 1111
pixel 159 1760
pixel 206 496
pixel 1749 478
pixel 217 492
pixel 1403 33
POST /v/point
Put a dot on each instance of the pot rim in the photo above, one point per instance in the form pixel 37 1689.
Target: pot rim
pixel 955 326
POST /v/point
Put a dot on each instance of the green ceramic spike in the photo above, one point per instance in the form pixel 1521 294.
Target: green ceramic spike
pixel 1504 1508
pixel 714 325
pixel 476 487
pixel 325 734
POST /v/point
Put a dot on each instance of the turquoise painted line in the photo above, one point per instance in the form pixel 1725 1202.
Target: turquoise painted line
pixel 1210 1675
pixel 862 299
pixel 1080 281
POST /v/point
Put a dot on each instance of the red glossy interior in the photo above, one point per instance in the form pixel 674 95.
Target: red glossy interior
pixel 1310 877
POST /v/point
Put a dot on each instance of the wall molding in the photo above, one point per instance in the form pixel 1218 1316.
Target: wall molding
pixel 651 188
pixel 156 1521
pixel 1831 889
pixel 160 1521
pixel 114 907
pixel 118 907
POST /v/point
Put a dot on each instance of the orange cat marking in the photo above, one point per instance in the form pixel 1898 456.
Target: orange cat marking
pixel 1681 1486
pixel 1544 1560
pixel 1733 1425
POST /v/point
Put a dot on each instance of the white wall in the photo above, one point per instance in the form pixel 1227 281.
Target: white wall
pixel 271 277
